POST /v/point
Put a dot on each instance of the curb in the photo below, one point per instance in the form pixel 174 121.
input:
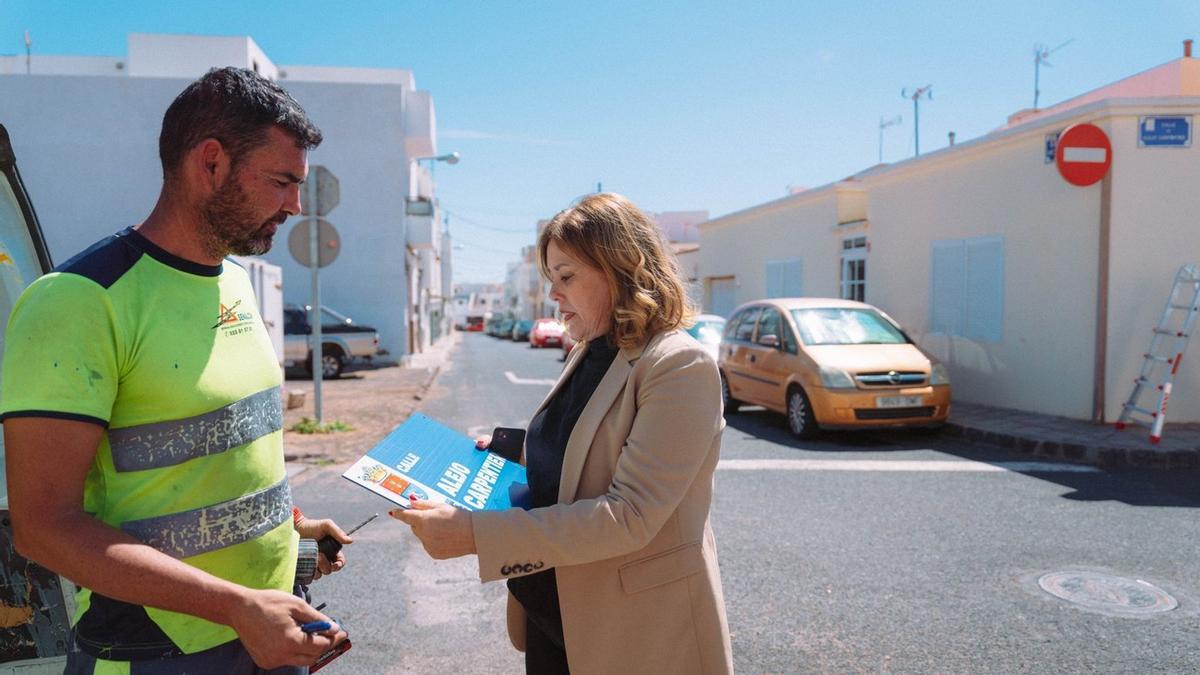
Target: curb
pixel 1079 453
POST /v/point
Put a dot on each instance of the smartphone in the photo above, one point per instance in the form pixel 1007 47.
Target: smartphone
pixel 334 652
pixel 508 442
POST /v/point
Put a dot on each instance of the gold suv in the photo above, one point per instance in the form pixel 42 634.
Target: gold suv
pixel 829 363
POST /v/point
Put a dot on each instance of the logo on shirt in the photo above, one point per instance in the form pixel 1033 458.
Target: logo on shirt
pixel 228 314
pixel 233 322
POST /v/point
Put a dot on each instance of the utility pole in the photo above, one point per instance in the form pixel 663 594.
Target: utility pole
pixel 915 95
pixel 28 53
pixel 883 124
pixel 1040 54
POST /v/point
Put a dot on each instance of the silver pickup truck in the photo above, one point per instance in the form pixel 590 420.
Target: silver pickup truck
pixel 342 340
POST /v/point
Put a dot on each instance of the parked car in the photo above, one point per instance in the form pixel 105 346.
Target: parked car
pixel 521 330
pixel 504 329
pixel 707 330
pixel 546 333
pixel 474 324
pixel 38 603
pixel 829 363
pixel 342 340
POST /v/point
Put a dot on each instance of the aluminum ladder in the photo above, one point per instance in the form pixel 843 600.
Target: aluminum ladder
pixel 1159 366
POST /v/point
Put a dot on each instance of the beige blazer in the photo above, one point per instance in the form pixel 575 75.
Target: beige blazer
pixel 630 539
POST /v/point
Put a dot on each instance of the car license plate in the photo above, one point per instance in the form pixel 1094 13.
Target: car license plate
pixel 897 401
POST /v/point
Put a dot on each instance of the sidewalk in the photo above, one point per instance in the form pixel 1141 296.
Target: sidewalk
pixel 1076 440
pixel 371 400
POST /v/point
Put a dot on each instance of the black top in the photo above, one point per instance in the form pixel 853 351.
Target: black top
pixel 545 445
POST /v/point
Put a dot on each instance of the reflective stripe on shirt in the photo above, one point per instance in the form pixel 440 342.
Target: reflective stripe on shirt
pixel 163 444
pixel 189 533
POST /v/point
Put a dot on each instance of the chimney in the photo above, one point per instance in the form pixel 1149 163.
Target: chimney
pixel 1187 49
pixel 951 138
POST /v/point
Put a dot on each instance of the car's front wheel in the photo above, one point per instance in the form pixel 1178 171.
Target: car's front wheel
pixel 331 363
pixel 801 421
pixel 731 404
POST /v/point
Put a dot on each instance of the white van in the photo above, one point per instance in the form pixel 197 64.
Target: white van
pixel 38 603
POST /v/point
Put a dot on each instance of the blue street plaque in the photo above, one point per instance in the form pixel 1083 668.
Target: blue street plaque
pixel 1051 146
pixel 1165 132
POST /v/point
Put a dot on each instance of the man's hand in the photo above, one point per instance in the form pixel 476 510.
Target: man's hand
pixel 444 531
pixel 268 624
pixel 317 528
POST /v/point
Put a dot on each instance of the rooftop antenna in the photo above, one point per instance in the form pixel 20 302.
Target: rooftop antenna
pixel 915 95
pixel 883 124
pixel 1040 54
pixel 28 52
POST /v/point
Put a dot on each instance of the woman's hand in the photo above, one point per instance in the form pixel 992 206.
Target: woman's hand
pixel 444 531
pixel 482 442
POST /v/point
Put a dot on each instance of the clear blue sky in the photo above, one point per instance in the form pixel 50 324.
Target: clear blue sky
pixel 678 105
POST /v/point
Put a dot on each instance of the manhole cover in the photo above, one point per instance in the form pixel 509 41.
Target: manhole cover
pixel 1108 594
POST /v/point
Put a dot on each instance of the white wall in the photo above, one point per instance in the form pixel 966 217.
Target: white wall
pixel 798 226
pixel 190 56
pixel 1155 230
pixel 1044 361
pixel 1001 185
pixel 87 148
pixel 367 282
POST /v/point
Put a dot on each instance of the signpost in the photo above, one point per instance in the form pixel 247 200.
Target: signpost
pixel 1083 155
pixel 314 242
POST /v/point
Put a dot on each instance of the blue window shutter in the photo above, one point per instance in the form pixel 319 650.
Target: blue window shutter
pixel 946 287
pixel 984 301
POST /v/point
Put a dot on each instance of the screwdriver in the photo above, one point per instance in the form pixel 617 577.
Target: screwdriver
pixel 329 546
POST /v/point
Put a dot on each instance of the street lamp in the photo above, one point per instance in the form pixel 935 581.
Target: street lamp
pixel 416 204
pixel 451 158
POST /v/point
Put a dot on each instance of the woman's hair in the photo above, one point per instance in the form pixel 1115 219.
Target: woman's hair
pixel 609 232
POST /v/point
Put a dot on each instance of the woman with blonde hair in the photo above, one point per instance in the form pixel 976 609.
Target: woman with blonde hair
pixel 614 568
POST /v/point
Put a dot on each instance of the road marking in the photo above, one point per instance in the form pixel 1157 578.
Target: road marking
pixel 521 380
pixel 898 465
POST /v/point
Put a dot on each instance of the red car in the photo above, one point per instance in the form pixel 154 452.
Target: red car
pixel 546 333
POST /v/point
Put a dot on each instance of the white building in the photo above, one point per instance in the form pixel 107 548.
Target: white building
pixel 476 301
pixel 86 129
pixel 1038 295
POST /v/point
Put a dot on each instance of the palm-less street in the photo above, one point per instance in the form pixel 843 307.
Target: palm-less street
pixel 878 552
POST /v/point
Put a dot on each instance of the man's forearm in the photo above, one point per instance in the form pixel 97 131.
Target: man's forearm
pixel 110 562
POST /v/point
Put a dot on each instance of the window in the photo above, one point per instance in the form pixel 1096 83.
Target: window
pixel 769 325
pixel 854 269
pixel 967 288
pixel 784 278
pixel 731 325
pixel 745 327
pixel 846 326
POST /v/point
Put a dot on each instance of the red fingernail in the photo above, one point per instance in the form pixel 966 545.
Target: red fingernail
pixel 413 497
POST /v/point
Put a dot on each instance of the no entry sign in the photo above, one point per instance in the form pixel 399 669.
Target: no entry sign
pixel 1083 155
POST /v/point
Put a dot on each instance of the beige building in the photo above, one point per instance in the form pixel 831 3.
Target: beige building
pixel 1037 294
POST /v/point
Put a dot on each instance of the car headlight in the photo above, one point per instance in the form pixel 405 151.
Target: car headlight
pixel 836 378
pixel 939 375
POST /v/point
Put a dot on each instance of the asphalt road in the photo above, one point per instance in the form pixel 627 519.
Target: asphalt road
pixel 864 552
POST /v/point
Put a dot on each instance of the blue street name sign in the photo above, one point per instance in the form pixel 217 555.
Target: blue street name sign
pixel 1168 132
pixel 1051 146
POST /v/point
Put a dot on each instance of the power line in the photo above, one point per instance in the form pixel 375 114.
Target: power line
pixel 468 221
pixel 460 242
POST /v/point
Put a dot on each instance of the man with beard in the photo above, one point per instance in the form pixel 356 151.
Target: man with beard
pixel 142 414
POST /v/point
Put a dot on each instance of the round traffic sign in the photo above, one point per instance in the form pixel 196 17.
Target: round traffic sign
pixel 1083 154
pixel 328 242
